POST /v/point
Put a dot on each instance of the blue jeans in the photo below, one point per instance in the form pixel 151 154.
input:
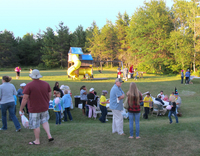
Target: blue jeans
pixel 137 123
pixel 58 117
pixel 11 108
pixel 103 113
pixel 170 114
pixel 67 112
pixel 20 101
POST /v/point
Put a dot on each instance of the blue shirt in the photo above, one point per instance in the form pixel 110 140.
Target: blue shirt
pixel 83 96
pixel 187 74
pixel 15 98
pixel 116 92
pixel 59 106
pixel 66 100
pixel 20 92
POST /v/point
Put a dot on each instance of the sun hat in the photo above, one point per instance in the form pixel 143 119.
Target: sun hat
pixel 91 89
pixel 119 80
pixel 105 91
pixel 35 74
pixel 22 84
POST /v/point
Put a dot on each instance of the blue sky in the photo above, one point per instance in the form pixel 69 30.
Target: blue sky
pixel 30 16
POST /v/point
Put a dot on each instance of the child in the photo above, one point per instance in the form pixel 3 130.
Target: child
pixel 172 94
pixel 136 73
pixel 166 98
pixel 147 101
pixel 66 105
pixel 58 107
pixel 173 109
pixel 103 108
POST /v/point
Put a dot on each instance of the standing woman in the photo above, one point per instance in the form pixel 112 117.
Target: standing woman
pixel 7 90
pixel 57 88
pixel 83 94
pixel 134 99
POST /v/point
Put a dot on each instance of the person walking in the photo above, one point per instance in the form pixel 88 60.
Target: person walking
pixel 20 95
pixel 38 95
pixel 134 99
pixel 17 70
pixel 7 102
pixel 116 105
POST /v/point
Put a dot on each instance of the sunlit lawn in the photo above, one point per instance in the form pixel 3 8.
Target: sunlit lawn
pixel 85 136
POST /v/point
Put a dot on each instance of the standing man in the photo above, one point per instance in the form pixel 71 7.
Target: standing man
pixel 187 77
pixel 38 94
pixel 116 105
pixel 178 100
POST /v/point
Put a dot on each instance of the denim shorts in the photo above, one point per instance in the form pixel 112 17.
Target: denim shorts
pixel 35 119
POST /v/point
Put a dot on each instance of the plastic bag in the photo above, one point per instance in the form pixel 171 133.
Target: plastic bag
pixel 124 114
pixel 169 107
pixel 24 120
pixel 72 107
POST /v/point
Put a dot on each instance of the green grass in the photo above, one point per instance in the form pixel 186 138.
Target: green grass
pixel 85 136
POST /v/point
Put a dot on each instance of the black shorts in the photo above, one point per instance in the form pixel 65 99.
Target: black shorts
pixel 83 103
pixel 18 73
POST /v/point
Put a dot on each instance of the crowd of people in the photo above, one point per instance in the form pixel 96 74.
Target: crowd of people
pixel 35 96
pixel 127 73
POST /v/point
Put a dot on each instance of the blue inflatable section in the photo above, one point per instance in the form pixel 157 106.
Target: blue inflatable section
pixel 87 57
pixel 75 50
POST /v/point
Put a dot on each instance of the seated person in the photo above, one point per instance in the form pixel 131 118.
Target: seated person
pixel 159 99
pixel 172 94
pixel 160 104
pixel 161 94
pixel 166 98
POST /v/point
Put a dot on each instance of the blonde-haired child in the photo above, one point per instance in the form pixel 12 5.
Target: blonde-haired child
pixel 66 105
pixel 58 107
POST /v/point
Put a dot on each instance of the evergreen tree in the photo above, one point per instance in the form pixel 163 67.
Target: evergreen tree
pixel 8 49
pixel 50 54
pixel 149 32
pixel 63 40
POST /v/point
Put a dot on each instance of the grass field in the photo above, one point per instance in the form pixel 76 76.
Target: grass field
pixel 85 136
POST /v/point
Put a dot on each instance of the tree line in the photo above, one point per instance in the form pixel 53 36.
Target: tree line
pixel 155 39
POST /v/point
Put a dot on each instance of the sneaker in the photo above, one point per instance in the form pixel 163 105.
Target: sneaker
pixel 106 119
pixel 1 129
pixel 18 130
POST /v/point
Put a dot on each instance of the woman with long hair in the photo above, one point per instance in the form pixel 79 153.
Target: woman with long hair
pixel 134 99
pixel 57 88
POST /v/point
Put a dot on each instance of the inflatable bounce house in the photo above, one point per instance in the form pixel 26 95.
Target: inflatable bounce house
pixel 79 63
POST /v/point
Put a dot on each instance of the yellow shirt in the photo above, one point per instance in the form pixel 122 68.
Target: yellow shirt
pixel 103 99
pixel 146 104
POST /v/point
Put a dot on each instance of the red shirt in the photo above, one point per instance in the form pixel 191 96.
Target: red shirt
pixel 38 92
pixel 135 108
